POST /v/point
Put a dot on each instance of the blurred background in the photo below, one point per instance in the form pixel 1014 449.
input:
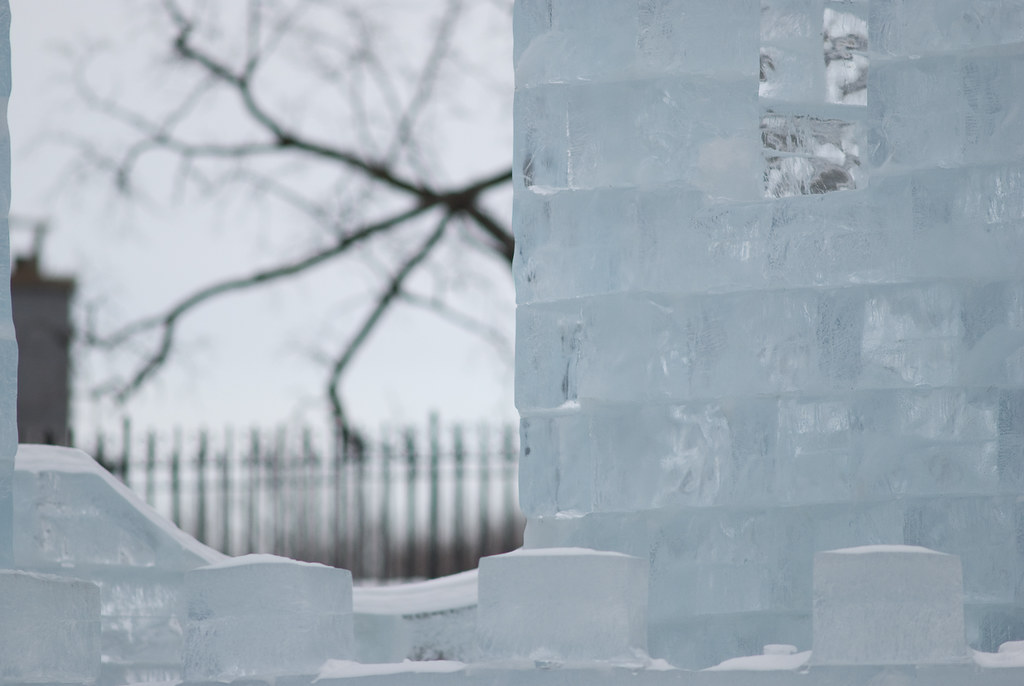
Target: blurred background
pixel 262 262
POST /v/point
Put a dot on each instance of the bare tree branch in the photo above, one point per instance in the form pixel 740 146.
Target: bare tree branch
pixel 428 78
pixel 167 322
pixel 392 291
pixel 393 179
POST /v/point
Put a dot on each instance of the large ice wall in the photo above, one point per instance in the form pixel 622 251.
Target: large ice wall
pixel 8 346
pixel 770 274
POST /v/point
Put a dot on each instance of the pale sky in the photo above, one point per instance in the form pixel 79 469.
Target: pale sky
pixel 247 360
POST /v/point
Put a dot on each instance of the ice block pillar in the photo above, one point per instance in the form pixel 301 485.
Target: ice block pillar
pixel 8 345
pixel 770 276
pixel 888 605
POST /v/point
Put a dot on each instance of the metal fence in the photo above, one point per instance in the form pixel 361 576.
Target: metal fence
pixel 411 503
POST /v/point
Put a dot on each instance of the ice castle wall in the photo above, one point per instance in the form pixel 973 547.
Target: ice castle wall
pixel 770 273
pixel 8 346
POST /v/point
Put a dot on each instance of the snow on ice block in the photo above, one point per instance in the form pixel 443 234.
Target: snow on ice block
pixel 888 604
pixel 562 604
pixel 265 615
pixel 49 629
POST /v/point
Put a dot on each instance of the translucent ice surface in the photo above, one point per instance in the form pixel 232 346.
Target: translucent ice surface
pixel 888 605
pixel 768 312
pixel 49 629
pixel 74 519
pixel 265 615
pixel 563 604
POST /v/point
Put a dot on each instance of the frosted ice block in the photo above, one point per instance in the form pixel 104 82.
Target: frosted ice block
pixel 888 605
pixel 50 629
pixel 562 604
pixel 265 615
pixel 73 519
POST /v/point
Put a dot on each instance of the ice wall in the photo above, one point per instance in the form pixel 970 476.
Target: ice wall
pixel 770 274
pixel 8 346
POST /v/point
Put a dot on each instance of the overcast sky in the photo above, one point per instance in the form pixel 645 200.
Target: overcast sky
pixel 245 360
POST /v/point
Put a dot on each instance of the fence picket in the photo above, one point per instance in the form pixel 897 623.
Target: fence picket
pixel 410 504
pixel 433 536
pixel 387 455
pixel 176 478
pixel 151 468
pixel 484 503
pixel 459 546
pixel 201 487
pixel 226 501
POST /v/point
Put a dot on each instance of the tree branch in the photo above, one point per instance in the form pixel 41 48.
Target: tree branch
pixel 282 139
pixel 168 321
pixel 392 291
pixel 218 161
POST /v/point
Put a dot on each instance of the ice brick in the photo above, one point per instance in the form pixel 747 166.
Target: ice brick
pixel 888 605
pixel 265 615
pixel 652 347
pixel 792 67
pixel 922 27
pixel 563 604
pixel 698 38
pixel 946 110
pixel 71 512
pixel 562 41
pixel 50 629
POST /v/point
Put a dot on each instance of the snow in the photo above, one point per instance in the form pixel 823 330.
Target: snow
pixel 436 595
pixel 870 549
pixel 342 669
pixel 764 663
pixel 998 660
pixel 261 559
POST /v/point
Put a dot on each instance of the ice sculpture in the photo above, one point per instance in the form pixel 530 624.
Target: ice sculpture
pixel 73 519
pixel 563 604
pixel 263 615
pixel 8 346
pixel 770 274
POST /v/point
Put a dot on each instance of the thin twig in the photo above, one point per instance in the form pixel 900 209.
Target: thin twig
pixel 393 290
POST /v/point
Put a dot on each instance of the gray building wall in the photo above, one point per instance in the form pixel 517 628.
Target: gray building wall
pixel 42 325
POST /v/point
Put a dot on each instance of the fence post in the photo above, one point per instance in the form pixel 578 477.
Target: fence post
pixel 340 501
pixel 385 565
pixel 99 454
pixel 225 492
pixel 410 518
pixel 459 545
pixel 151 468
pixel 176 477
pixel 508 473
pixel 360 540
pixel 126 442
pixel 308 542
pixel 278 486
pixel 484 504
pixel 434 542
pixel 252 537
pixel 201 488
